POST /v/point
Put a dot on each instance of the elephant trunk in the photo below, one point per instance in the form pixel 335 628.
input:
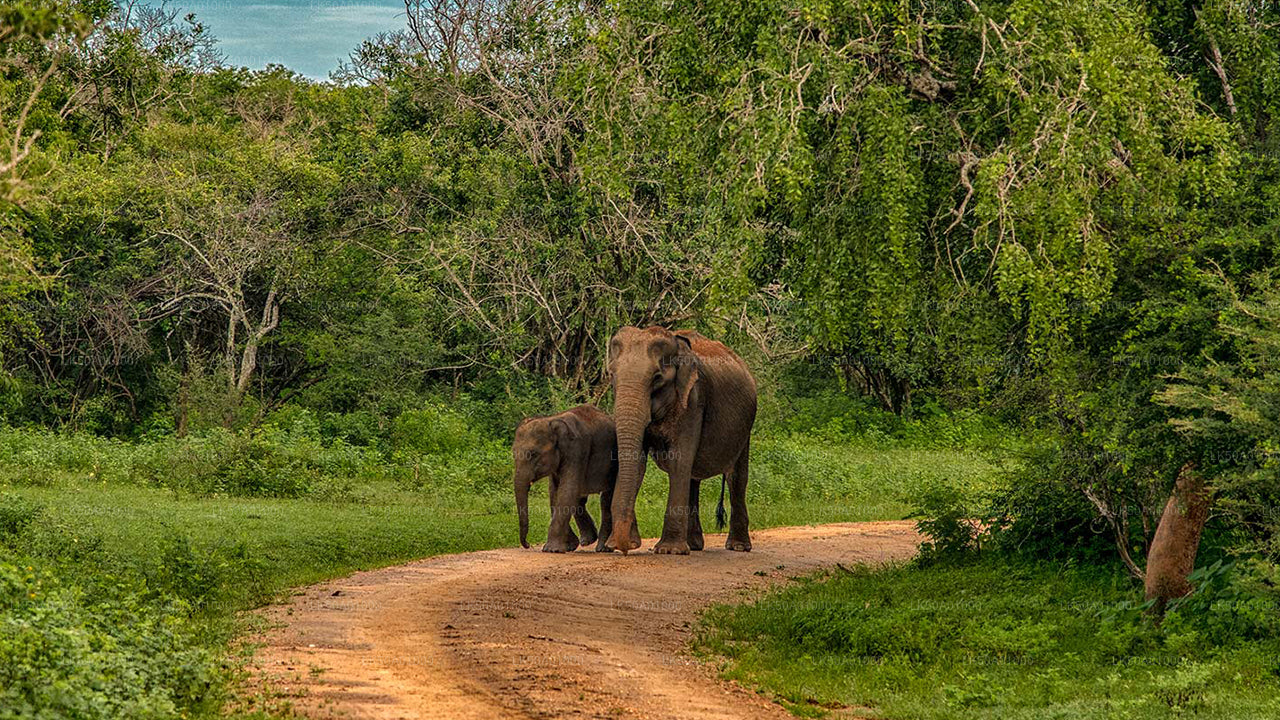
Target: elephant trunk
pixel 522 507
pixel 631 415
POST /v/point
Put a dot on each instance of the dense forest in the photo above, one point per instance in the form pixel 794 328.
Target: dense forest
pixel 1061 216
pixel 1063 213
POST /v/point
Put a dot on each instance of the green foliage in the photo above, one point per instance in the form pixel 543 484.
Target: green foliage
pixel 1038 511
pixel 37 457
pixel 433 430
pixel 16 515
pixel 251 465
pixel 105 523
pixel 946 523
pixel 1228 409
pixel 200 577
pixel 1230 602
pixel 294 453
pixel 986 639
pixel 63 654
pixel 260 292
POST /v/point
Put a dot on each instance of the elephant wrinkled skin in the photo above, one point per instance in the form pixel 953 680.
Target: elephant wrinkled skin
pixel 577 449
pixel 690 402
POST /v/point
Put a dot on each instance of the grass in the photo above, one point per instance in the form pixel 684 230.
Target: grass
pixel 1007 639
pixel 303 540
pixel 180 535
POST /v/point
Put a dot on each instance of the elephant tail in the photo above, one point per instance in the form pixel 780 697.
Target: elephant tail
pixel 720 506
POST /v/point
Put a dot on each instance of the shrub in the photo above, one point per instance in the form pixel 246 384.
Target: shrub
pixel 204 576
pixel 1035 513
pixel 38 457
pixel 360 428
pixel 484 470
pixel 1185 689
pixel 16 515
pixel 1027 640
pixel 433 430
pixel 496 404
pixel 831 414
pixel 947 522
pixel 1231 601
pixel 265 464
pixel 61 656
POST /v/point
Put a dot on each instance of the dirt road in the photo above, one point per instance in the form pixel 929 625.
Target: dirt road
pixel 522 634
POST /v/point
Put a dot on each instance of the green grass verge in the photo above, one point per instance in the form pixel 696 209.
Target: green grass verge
pixel 996 639
pixel 176 537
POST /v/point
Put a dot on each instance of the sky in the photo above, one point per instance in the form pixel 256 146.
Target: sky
pixel 307 36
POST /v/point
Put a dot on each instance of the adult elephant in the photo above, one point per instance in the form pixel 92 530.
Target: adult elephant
pixel 690 402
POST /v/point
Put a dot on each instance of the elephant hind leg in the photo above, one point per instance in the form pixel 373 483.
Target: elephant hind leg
pixel 564 503
pixel 739 537
pixel 586 526
pixel 694 533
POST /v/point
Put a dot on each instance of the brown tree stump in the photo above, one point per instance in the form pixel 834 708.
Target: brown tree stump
pixel 1173 549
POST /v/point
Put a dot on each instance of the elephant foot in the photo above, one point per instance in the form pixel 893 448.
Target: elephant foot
pixel 560 546
pixel 696 542
pixel 736 545
pixel 588 538
pixel 632 542
pixel 671 547
pixel 603 546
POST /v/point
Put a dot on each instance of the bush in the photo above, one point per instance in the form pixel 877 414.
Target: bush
pixel 293 454
pixel 947 522
pixel 1024 639
pixel 1231 602
pixel 481 470
pixel 838 416
pixel 40 457
pixel 208 575
pixel 433 430
pixel 496 404
pixel 61 656
pixel 1035 513
pixel 358 429
pixel 269 463
pixel 16 515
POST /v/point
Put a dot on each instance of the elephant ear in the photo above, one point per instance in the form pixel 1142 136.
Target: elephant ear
pixel 686 369
pixel 564 433
pixel 611 357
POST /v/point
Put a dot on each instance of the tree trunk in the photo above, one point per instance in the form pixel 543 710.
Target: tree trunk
pixel 238 378
pixel 1173 549
pixel 184 403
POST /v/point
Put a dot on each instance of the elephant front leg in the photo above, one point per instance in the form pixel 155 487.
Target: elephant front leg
pixel 586 526
pixel 675 527
pixel 564 502
pixel 606 524
pixel 695 520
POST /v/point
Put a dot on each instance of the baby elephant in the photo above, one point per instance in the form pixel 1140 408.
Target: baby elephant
pixel 578 449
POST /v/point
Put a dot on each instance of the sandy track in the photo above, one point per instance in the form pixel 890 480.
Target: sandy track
pixel 523 634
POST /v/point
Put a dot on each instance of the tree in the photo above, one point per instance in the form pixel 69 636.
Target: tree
pixel 36 39
pixel 1231 408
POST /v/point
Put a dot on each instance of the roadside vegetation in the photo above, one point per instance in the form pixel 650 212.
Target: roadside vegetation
pixel 1015 607
pixel 117 554
pixel 1012 261
pixel 992 637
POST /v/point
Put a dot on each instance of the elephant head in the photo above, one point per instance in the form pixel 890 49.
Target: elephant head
pixel 536 451
pixel 653 372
